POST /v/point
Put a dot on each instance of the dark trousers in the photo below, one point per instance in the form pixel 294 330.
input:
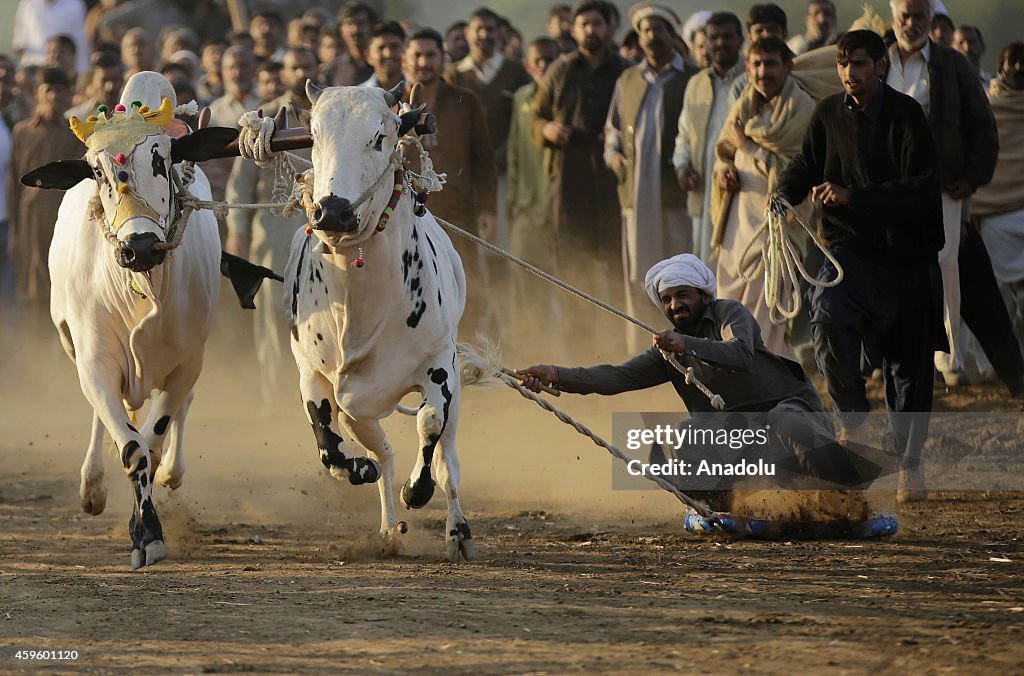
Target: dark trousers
pixel 893 309
pixel 984 312
pixel 801 445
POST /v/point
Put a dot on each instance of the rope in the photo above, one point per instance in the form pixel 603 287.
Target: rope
pixel 254 138
pixel 695 505
pixel 687 372
pixel 188 205
pixel 427 179
pixel 782 261
pixel 190 108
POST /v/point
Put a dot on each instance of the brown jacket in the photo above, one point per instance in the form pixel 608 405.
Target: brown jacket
pixel 344 71
pixel 462 149
pixel 495 96
pixel 582 201
pixel 32 211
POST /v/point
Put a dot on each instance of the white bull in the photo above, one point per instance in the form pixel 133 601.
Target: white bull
pixel 366 334
pixel 132 317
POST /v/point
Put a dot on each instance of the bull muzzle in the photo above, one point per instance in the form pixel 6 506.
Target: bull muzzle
pixel 334 214
pixel 137 254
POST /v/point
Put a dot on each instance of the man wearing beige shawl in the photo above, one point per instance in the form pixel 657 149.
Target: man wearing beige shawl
pixel 999 206
pixel 762 133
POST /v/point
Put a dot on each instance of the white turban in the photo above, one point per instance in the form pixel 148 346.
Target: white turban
pixel 693 24
pixel 682 270
pixel 638 13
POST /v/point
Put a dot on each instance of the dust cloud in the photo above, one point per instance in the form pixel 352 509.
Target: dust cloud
pixel 254 463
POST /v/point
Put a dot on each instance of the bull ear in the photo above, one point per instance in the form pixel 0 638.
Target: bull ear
pixel 313 92
pixel 303 116
pixel 59 175
pixel 202 144
pixel 410 118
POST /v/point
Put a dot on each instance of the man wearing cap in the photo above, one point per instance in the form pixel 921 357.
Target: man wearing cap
pixel 640 136
pixel 721 341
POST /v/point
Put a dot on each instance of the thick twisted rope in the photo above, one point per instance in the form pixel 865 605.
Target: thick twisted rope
pixel 695 505
pixel 782 262
pixel 254 138
pixel 687 372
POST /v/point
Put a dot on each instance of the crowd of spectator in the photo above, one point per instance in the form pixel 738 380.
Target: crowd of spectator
pixel 593 151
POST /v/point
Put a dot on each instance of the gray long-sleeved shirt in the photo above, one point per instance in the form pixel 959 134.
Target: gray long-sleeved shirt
pixel 726 353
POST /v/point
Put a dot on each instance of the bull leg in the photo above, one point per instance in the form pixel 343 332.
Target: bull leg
pixel 430 423
pixel 335 454
pixel 144 527
pixel 92 490
pixel 446 467
pixel 371 435
pixel 171 469
pixel 166 422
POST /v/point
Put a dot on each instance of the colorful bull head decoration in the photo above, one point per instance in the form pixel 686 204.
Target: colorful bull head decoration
pixel 130 156
pixel 124 128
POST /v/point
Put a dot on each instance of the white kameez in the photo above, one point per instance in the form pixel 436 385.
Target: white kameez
pixel 746 214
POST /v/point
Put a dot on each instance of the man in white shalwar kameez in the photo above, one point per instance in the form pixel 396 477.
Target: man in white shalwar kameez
pixel 639 140
pixel 762 133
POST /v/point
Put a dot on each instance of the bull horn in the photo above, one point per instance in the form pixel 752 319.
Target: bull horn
pixel 281 119
pixel 394 95
pixel 204 118
pixel 313 92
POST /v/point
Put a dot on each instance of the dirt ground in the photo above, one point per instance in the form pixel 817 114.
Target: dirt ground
pixel 273 564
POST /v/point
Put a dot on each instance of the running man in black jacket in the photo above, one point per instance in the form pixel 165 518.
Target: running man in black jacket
pixel 869 158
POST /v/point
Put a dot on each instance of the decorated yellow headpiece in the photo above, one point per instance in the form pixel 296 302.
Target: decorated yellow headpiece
pixel 123 127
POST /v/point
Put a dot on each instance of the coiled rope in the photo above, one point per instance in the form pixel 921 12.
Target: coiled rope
pixel 782 262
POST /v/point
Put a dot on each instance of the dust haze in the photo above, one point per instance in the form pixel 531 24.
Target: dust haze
pixel 252 462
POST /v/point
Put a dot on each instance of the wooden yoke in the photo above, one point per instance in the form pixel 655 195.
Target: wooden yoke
pixel 286 138
pixel 283 138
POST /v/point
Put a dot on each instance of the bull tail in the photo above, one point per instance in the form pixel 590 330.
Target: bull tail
pixel 476 367
pixel 479 367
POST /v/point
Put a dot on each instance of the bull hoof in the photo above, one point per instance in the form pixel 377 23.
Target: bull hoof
pixel 165 477
pixel 394 543
pixel 363 471
pixel 94 500
pixel 460 543
pixel 416 495
pixel 467 549
pixel 154 552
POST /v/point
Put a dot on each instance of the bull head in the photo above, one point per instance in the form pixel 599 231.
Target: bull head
pixel 130 156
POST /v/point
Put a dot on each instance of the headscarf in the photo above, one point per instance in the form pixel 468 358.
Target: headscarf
pixel 682 270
